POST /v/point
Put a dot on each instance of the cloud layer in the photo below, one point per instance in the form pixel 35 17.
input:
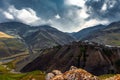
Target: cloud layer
pixel 65 15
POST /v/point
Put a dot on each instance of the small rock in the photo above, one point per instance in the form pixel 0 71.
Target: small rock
pixel 49 76
pixel 56 72
pixel 73 68
pixel 33 79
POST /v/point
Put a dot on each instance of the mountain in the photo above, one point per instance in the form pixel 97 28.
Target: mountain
pixel 47 36
pixel 96 58
pixel 87 31
pixel 36 37
pixel 17 29
pixel 108 35
pixel 9 46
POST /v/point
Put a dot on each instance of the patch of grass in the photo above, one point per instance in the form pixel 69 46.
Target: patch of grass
pixel 37 75
pixel 3 69
pixel 10 76
pixel 11 65
pixel 102 77
pixel 116 42
pixel 5 74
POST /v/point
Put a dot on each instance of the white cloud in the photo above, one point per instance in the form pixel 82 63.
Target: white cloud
pixel 93 22
pixel 74 16
pixel 104 7
pixel 83 14
pixel 27 15
pixel 79 3
pixel 57 16
pixel 8 15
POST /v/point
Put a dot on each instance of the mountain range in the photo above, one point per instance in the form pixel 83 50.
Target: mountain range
pixel 35 37
pixel 104 34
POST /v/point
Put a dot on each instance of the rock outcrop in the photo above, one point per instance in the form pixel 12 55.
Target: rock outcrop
pixel 72 74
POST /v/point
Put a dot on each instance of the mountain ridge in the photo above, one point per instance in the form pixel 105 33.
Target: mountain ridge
pixel 36 37
pixel 108 35
pixel 79 54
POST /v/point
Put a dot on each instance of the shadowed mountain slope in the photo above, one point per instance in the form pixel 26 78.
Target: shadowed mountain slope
pixel 95 58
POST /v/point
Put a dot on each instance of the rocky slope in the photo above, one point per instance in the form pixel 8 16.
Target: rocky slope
pixel 47 37
pixel 95 58
pixel 108 35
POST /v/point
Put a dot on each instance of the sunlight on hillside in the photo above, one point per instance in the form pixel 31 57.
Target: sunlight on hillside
pixel 4 35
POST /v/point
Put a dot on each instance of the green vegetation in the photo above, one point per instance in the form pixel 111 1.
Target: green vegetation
pixel 103 77
pixel 36 75
pixel 116 42
pixel 112 39
pixel 7 73
pixel 11 65
pixel 3 69
pixel 9 76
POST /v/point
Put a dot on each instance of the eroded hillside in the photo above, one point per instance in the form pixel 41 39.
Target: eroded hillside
pixel 95 58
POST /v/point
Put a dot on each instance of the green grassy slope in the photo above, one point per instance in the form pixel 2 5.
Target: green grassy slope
pixel 6 74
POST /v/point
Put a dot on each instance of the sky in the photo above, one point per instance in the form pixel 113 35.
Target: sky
pixel 65 15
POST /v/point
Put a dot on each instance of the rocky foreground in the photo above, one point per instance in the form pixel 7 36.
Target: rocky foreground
pixel 76 74
pixel 72 74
